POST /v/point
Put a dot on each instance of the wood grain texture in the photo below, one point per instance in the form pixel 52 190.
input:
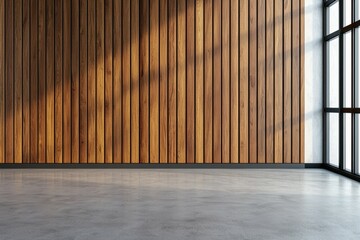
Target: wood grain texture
pixel 83 82
pixel 270 81
pixel 42 81
pixel 217 94
pixel 181 81
pixel 278 85
pixel 234 81
pixel 108 83
pixel 144 81
pixel 225 82
pixel 117 81
pixel 172 62
pixel 208 64
pixel 9 82
pixel 295 77
pixel 58 82
pixel 190 81
pixel 75 81
pixel 244 81
pixel 261 82
pixel 126 101
pixel 18 81
pixel 26 85
pixel 91 80
pixel 163 22
pixel 287 49
pixel 2 82
pixel 152 81
pixel 199 81
pixel 34 157
pixel 67 81
pixel 100 83
pixel 253 51
pixel 135 107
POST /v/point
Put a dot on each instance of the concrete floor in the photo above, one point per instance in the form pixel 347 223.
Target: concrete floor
pixel 105 204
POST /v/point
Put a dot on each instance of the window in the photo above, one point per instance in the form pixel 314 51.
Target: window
pixel 342 85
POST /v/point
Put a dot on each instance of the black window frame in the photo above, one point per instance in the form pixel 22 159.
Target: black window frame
pixel 341 110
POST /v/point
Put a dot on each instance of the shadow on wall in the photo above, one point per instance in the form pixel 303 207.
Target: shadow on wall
pixel 90 81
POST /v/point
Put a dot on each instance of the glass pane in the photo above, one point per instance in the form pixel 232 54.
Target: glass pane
pixel 347 141
pixel 332 141
pixel 332 95
pixel 357 143
pixel 357 67
pixel 332 14
pixel 347 69
pixel 357 10
pixel 347 12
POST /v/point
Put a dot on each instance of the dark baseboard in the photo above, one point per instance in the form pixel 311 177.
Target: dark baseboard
pixel 314 165
pixel 151 166
pixel 342 172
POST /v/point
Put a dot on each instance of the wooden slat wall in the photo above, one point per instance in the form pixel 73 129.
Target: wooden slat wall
pixel 151 81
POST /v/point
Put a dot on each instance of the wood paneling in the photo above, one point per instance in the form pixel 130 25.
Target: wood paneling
pixel 151 81
pixel 134 81
pixel 75 90
pixel 9 81
pixel 2 82
pixel 91 80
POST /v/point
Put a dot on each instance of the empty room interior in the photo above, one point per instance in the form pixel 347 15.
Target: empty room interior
pixel 179 119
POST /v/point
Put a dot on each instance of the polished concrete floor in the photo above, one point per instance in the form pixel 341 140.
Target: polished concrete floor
pixel 121 204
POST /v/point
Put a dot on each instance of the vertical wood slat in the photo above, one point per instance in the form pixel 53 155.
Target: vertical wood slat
pixel 83 81
pixel 190 81
pixel 2 82
pixel 144 81
pixel 33 81
pixel 26 83
pixel 135 110
pixel 253 81
pixel 295 115
pixel 42 81
pixel 108 82
pixel 154 81
pixel 287 121
pixel 217 82
pixel 126 101
pixel 208 108
pixel 9 82
pixel 172 61
pixel 117 81
pixel 163 22
pixel 199 82
pixel 269 81
pixel 100 82
pixel 17 81
pixel 67 81
pixel 91 80
pixel 261 84
pixel 225 81
pixel 75 81
pixel 181 81
pixel 244 82
pixel 234 81
pixel 278 85
pixel 58 82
